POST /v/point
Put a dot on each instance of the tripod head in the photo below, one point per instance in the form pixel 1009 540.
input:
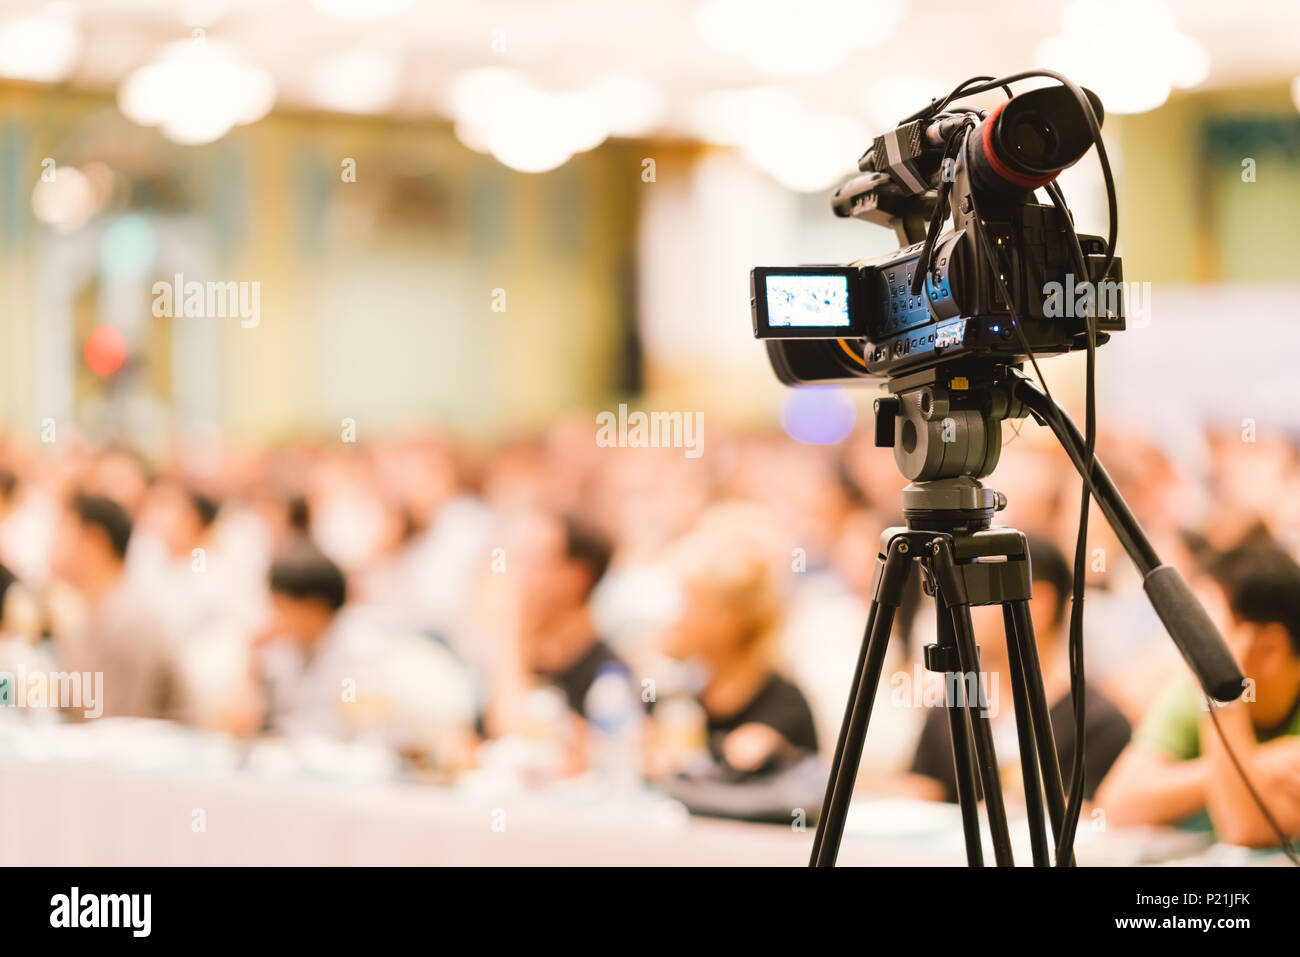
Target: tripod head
pixel 945 428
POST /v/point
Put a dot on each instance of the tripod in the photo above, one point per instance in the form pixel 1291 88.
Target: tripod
pixel 949 437
pixel 963 562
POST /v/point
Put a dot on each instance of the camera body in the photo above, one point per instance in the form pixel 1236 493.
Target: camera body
pixel 885 324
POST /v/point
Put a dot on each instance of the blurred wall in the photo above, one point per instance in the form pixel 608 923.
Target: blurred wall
pixel 1186 213
pixel 376 296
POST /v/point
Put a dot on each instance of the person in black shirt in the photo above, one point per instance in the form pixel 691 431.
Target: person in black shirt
pixel 557 563
pixel 576 679
pixel 1107 731
pixel 755 719
pixel 779 705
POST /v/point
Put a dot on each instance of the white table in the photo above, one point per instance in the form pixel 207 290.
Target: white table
pixel 72 814
pixel 56 814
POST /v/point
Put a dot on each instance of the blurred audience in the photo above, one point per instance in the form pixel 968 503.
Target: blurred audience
pixel 470 606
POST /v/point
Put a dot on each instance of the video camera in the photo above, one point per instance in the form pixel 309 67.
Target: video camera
pixel 943 298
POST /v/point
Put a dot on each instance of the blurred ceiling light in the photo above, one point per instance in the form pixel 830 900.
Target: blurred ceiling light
pixel 473 136
pixel 362 9
pixel 797 37
pixel 633 105
pixel 358 81
pixel 1186 59
pixel 197 128
pixel 582 117
pixel 480 92
pixel 726 116
pixel 528 137
pixel 497 110
pixel 1128 52
pixel 801 149
pixel 41 47
pixel 196 91
pixel 67 201
pixel 814 151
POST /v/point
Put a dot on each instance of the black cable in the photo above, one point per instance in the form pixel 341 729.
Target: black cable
pixel 1078 686
pixel 934 106
pixel 1284 842
pixel 940 213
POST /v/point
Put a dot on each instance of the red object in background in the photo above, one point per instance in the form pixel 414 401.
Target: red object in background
pixel 105 350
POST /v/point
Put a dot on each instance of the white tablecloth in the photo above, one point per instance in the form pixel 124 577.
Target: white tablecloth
pixel 61 814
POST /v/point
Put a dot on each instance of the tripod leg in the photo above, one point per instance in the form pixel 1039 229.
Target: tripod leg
pixel 954 602
pixel 985 756
pixel 845 724
pixel 945 661
pixel 1028 747
pixel 1045 740
pixel 848 752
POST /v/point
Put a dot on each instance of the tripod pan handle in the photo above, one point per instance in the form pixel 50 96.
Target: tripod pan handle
pixel 1193 632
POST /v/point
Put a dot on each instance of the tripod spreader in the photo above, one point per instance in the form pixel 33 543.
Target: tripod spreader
pixel 1196 636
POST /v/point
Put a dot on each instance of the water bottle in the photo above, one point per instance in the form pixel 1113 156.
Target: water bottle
pixel 614 714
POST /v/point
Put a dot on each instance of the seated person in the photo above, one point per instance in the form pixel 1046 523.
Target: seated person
pixel 334 670
pixel 301 657
pixel 1177 769
pixel 555 563
pixel 755 720
pixel 113 626
pixel 20 614
pixel 20 623
pixel 931 775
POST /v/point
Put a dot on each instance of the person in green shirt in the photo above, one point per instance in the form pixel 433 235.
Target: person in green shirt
pixel 1177 769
